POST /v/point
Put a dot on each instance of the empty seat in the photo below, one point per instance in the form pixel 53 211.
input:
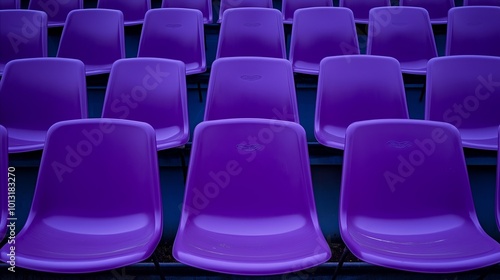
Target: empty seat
pixel 57 11
pixel 35 93
pixel 175 33
pixel 473 30
pixel 355 88
pixel 23 34
pixel 320 32
pixel 251 87
pixel 151 90
pixel 230 4
pixel 481 2
pixel 94 36
pixel 133 11
pixel 288 7
pixel 438 9
pixel 361 9
pixel 252 32
pixel 249 206
pixel 85 218
pixel 10 4
pixel 406 201
pixel 204 6
pixel 404 33
pixel 463 90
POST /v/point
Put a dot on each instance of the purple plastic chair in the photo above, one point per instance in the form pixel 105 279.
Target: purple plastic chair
pixel 229 4
pixel 155 93
pixel 80 222
pixel 320 32
pixel 481 2
pixel 175 33
pixel 288 7
pixel 252 32
pixel 438 9
pixel 6 181
pixel 473 30
pixel 356 88
pixel 405 199
pixel 133 11
pixel 57 10
pixel 251 87
pixel 404 33
pixel 361 9
pixel 10 4
pixel 35 93
pixel 249 206
pixel 204 6
pixel 94 36
pixel 23 34
pixel 464 91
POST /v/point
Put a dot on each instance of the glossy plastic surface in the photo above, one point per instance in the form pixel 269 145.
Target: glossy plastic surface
pixel 230 4
pixel 473 30
pixel 10 4
pixel 481 2
pixel 133 11
pixel 56 11
pixel 321 32
pixel 464 91
pixel 94 36
pixel 23 34
pixel 361 9
pixel 251 87
pixel 288 7
pixel 405 199
pixel 404 33
pixel 355 88
pixel 35 93
pixel 438 9
pixel 151 90
pixel 204 6
pixel 175 33
pixel 85 218
pixel 252 32
pixel 249 206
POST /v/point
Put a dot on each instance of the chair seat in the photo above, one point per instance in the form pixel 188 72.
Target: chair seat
pixel 195 68
pixel 109 246
pixel 247 247
pixel 306 67
pixel 170 137
pixel 447 244
pixel 97 69
pixel 332 136
pixel 485 138
pixel 439 20
pixel 418 67
pixel 25 140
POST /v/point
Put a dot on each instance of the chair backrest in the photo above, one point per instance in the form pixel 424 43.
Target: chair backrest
pixel 23 34
pixel 355 88
pixel 288 7
pixel 35 93
pixel 320 32
pixel 252 32
pixel 251 87
pixel 94 36
pixel 7 179
pixel 151 90
pixel 133 11
pixel 361 9
pixel 128 191
pixel 230 4
pixel 10 4
pixel 464 91
pixel 57 11
pixel 404 33
pixel 438 9
pixel 481 2
pixel 204 6
pixel 175 33
pixel 473 30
